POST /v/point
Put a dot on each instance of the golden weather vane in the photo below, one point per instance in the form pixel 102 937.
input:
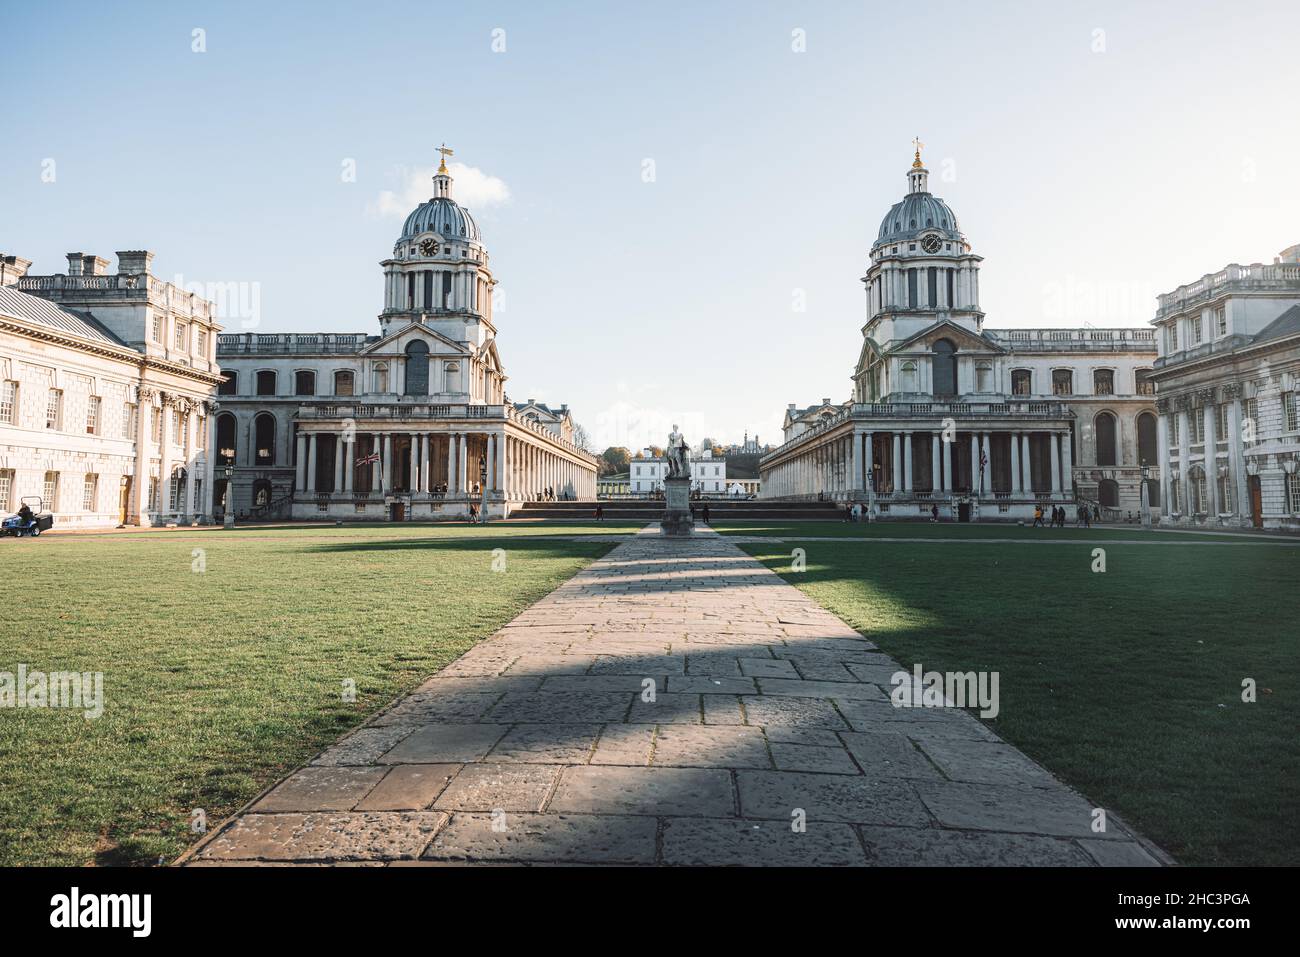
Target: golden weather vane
pixel 442 166
pixel 916 141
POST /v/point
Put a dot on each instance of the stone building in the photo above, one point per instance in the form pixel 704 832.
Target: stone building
pixel 1228 374
pixel 646 473
pixel 413 423
pixel 985 423
pixel 106 393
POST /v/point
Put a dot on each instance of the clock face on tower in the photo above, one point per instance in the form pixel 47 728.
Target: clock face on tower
pixel 930 244
pixel 428 247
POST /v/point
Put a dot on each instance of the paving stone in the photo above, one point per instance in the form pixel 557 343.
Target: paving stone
pixel 1118 854
pixel 767 668
pixel 409 787
pixel 711 684
pixel 606 683
pixel 814 737
pixel 321 789
pixel 546 744
pixel 853 799
pixel 628 744
pixel 722 709
pixel 374 835
pixel 877 673
pixel 657 791
pixel 984 762
pixel 1023 810
pixel 363 746
pixel 639 665
pixel 560 838
pixel 820 669
pixel 422 707
pixel 934 847
pixel 494 684
pixel 721 665
pixel 792 712
pixel 915 722
pixel 705 842
pixel 801 757
pixel 545 665
pixel 836 690
pixel 711 746
pixel 886 755
pixel 509 787
pixel 446 744
pixel 667 708
pixel 570 707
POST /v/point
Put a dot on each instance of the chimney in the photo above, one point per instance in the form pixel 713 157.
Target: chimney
pixel 133 262
pixel 826 401
pixel 13 268
pixel 92 265
pixel 532 401
pixel 790 406
pixel 74 264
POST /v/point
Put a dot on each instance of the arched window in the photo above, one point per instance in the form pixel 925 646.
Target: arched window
pixel 1146 432
pixel 1062 382
pixel 1104 430
pixel 1196 489
pixel 452 378
pixel 381 378
pixel 1022 382
pixel 266 382
pixel 304 383
pixel 1108 493
pixel 344 383
pixel 908 376
pixel 264 439
pixel 225 439
pixel 1103 382
pixel 261 493
pixel 945 367
pixel 417 367
pixel 229 383
pixel 1142 382
pixel 984 377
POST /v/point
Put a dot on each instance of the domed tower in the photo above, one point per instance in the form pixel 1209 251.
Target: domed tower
pixel 922 269
pixel 438 273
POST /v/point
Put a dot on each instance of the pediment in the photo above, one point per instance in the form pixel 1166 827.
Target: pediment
pixel 397 341
pixel 965 340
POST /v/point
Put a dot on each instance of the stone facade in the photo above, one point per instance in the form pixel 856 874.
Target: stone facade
pixel 984 423
pixel 413 423
pixel 106 394
pixel 1228 375
pixel 708 474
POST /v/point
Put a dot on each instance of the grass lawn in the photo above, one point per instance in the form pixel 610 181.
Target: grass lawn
pixel 954 530
pixel 1127 683
pixel 218 682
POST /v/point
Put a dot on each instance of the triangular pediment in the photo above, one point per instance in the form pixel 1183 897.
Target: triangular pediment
pixel 965 340
pixel 398 339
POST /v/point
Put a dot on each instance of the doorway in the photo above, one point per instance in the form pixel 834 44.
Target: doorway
pixel 963 511
pixel 1256 502
pixel 399 511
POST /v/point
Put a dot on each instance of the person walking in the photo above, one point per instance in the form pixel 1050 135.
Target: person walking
pixel 1038 516
pixel 934 512
pixel 704 511
pixel 600 512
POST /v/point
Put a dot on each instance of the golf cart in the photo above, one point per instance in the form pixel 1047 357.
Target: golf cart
pixel 19 523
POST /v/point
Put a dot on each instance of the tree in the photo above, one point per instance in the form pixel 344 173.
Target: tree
pixel 614 460
pixel 581 439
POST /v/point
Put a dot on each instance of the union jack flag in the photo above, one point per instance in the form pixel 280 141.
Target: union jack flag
pixel 984 459
pixel 368 459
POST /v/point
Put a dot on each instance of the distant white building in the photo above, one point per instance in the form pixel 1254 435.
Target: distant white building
pixel 708 474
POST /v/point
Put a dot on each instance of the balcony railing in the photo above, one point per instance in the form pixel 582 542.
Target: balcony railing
pixel 1257 276
pixel 289 343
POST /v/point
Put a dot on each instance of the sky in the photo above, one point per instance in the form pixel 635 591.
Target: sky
pixel 678 199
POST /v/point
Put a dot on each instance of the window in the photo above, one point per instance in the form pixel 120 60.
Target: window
pixel 911 288
pixel 6 489
pixel 304 383
pixel 1221 423
pixel 945 367
pixel 1293 493
pixel 984 377
pixel 153 494
pixel 1103 382
pixel 266 382
pixel 1143 383
pixel 1173 428
pixel 177 491
pixel 156 330
pixel 1221 321
pixel 225 439
pixel 264 439
pixel 229 384
pixel 1148 454
pixel 128 420
pixel 1062 382
pixel 178 433
pixel 452 378
pixel 1104 429
pixel 1290 412
pixel 1224 486
pixel 1196 480
pixel 1173 496
pixel 181 329
pixel 343 382
pixel 1171 337
pixel 201 343
pixel 53 409
pixel 381 378
pixel 908 376
pixel 9 402
pixel 92 415
pixel 50 491
pixel 89 492
pixel 155 425
pixel 1194 331
pixel 1196 426
pixel 417 367
pixel 1250 420
pixel 1022 382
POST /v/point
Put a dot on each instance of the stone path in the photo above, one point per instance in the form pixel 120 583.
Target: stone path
pixel 543 745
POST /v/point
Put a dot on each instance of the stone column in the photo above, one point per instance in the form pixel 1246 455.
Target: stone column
pixel 947 465
pixel 1162 459
pixel 301 476
pixel 311 462
pixel 975 463
pixel 422 478
pixel 855 455
pixel 1211 465
pixel 907 462
pixel 338 463
pixel 936 469
pixel 988 464
pixel 209 462
pixel 492 462
pixel 1237 458
pixel 349 463
pixel 1185 465
pixel 376 476
pixel 461 465
pixel 413 472
pixel 387 464
pixel 868 457
pixel 451 463
pixel 1027 463
pixel 1067 465
pixel 165 455
pixel 1056 463
pixel 1017 485
pixel 897 463
pixel 140 490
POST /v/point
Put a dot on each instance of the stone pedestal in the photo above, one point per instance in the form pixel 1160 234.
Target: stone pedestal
pixel 677 522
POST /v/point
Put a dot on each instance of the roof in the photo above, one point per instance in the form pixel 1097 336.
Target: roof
pixel 1287 324
pixel 443 216
pixel 916 213
pixel 558 413
pixel 42 312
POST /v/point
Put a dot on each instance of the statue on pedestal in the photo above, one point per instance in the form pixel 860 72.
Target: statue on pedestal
pixel 678 455
pixel 677 522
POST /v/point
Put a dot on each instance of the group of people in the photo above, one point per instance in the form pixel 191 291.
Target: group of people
pixel 855 513
pixel 1083 516
pixel 704 512
pixel 548 495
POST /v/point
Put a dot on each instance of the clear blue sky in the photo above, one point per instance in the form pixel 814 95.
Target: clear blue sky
pixel 1090 170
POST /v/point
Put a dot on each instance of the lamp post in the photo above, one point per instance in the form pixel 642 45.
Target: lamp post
pixel 482 485
pixel 1146 495
pixel 227 513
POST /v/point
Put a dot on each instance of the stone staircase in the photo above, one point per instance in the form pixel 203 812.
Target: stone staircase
pixel 642 510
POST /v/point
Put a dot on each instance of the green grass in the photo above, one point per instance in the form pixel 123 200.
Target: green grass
pixel 952 530
pixel 216 683
pixel 1126 683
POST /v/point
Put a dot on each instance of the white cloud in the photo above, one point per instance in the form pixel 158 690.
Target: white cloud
pixel 471 187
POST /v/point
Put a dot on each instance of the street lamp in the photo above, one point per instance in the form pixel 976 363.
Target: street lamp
pixel 1146 495
pixel 482 485
pixel 227 513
